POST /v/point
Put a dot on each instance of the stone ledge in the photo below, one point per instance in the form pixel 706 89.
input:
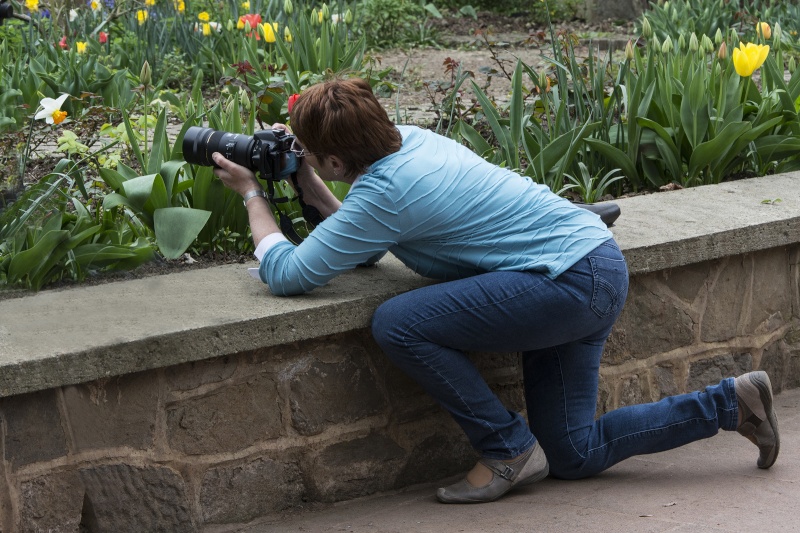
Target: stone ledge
pixel 76 335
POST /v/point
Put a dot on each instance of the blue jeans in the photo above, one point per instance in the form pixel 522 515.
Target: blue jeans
pixel 560 326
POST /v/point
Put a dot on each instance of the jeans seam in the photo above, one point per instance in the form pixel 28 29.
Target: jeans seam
pixel 660 428
pixel 566 411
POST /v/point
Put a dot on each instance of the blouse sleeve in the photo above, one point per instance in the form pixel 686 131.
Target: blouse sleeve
pixel 365 226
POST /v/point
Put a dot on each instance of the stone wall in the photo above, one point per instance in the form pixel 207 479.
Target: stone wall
pixel 234 438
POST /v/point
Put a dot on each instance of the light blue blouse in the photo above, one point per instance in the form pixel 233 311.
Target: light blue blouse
pixel 444 212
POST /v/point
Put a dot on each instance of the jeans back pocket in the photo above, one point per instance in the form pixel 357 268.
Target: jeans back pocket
pixel 610 277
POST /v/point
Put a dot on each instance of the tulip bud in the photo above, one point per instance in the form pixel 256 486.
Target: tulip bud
pixel 674 15
pixel 792 64
pixel 317 43
pixel 629 50
pixel 763 30
pixel 146 75
pixel 543 79
pixel 287 35
pixel 722 54
pixel 681 42
pixel 656 44
pixel 667 47
pixel 776 34
pixel 718 37
pixel 348 17
pixel 247 27
pixel 326 12
pixel 666 5
pixel 694 44
pixel 314 17
pixel 647 30
pixel 229 25
pixel 706 45
pixel 288 7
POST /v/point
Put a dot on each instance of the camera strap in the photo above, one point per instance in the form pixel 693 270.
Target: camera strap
pixel 310 213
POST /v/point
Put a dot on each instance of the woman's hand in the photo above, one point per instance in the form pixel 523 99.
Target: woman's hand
pixel 236 177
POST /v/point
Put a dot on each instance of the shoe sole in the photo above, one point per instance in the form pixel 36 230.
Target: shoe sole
pixel 764 386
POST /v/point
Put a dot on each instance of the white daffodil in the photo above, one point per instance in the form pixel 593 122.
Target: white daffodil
pixel 51 110
pixel 73 14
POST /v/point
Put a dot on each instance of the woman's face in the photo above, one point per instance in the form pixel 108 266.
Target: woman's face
pixel 325 166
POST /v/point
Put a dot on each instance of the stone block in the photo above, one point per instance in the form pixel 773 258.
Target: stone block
pixel 242 492
pixel 773 361
pixel 604 397
pixel 354 468
pixel 791 377
pixel 407 400
pixel 633 391
pixel 189 376
pixel 650 323
pixel 726 300
pixel 124 498
pixel 711 371
pixel 664 378
pixel 228 419
pixel 688 282
pixel 51 503
pixel 113 412
pixel 436 457
pixel 326 394
pixel 771 304
pixel 33 428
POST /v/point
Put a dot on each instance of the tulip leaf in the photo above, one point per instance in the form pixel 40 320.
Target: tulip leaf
pixel 705 153
pixel 617 157
pixel 177 227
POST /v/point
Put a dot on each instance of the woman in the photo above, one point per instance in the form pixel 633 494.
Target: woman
pixel 523 271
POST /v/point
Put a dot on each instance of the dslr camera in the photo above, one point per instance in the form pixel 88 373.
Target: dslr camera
pixel 268 152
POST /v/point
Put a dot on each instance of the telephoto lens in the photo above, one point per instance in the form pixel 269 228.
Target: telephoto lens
pixel 199 143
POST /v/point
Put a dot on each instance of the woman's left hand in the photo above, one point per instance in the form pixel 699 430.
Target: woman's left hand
pixel 236 177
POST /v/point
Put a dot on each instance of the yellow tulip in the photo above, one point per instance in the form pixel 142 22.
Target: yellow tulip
pixel 246 6
pixel 149 2
pixel 80 46
pixel 749 57
pixel 269 31
pixel 206 29
pixel 32 5
pixel 287 35
pixel 141 16
pixel 763 30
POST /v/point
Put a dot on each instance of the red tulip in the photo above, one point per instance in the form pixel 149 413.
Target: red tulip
pixel 102 37
pixel 291 101
pixel 63 43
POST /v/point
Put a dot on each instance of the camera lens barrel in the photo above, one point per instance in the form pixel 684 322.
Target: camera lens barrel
pixel 199 143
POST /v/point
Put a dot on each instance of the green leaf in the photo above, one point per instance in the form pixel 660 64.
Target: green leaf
pixel 479 144
pixel 159 151
pixel 617 157
pixel 177 227
pixel 33 261
pixel 147 193
pixel 716 148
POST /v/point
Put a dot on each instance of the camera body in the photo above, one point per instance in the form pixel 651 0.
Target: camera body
pixel 6 11
pixel 267 152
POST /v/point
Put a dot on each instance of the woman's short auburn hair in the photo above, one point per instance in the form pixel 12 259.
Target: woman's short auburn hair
pixel 342 117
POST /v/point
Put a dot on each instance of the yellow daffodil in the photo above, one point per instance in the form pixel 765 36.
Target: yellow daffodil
pixel 749 57
pixel 180 5
pixel 141 16
pixel 32 5
pixel 149 2
pixel 206 29
pixel 51 110
pixel 203 16
pixel 80 46
pixel 287 35
pixel 763 30
pixel 246 6
pixel 269 31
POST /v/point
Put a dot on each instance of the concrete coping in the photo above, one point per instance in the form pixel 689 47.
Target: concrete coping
pixel 75 335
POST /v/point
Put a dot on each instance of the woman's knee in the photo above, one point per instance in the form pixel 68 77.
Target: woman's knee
pixel 386 323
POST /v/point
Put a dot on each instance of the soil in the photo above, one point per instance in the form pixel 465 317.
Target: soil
pixel 487 47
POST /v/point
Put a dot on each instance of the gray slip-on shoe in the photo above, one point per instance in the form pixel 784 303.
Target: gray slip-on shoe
pixel 529 468
pixel 759 423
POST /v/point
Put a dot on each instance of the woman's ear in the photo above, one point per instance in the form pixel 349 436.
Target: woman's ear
pixel 337 165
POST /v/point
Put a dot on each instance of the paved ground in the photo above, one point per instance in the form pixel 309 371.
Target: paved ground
pixel 707 486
